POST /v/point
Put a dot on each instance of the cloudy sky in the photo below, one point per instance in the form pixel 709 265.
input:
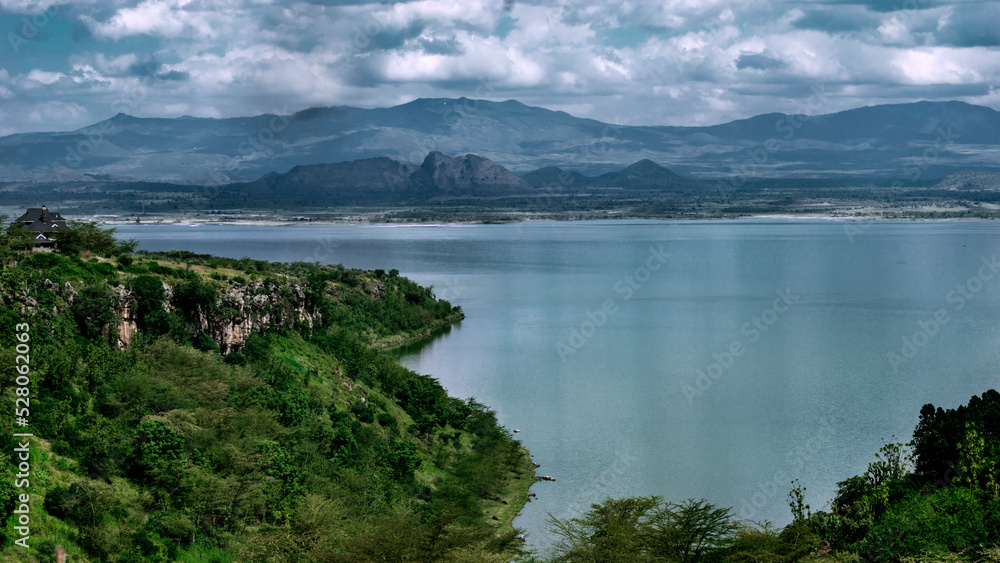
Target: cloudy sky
pixel 677 62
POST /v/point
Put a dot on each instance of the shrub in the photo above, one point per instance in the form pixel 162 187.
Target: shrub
pixel 949 519
pixel 92 310
pixel 157 446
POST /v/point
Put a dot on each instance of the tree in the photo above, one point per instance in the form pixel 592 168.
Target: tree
pixel 14 238
pixel 194 296
pixel 88 236
pixel 944 439
pixel 690 531
pixel 149 298
pixel 157 447
pixel 645 529
pixel 92 310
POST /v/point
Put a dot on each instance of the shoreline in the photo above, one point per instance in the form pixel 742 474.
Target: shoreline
pixel 516 493
pixel 459 222
pixel 396 341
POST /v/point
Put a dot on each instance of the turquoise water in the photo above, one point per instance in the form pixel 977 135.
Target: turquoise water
pixel 716 359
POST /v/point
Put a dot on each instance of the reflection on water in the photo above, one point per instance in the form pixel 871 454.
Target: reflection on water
pixel 414 348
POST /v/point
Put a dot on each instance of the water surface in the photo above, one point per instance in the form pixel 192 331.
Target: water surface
pixel 612 404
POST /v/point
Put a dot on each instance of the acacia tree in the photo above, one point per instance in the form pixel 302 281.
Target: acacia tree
pixel 693 530
pixel 645 529
pixel 13 237
pixel 88 236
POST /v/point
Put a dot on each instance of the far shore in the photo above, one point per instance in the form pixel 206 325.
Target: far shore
pixel 187 222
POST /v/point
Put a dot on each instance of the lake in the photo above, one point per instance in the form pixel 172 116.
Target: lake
pixel 704 359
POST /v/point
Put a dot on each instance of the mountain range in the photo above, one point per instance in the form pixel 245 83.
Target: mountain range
pixel 642 175
pixel 441 177
pixel 381 179
pixel 921 142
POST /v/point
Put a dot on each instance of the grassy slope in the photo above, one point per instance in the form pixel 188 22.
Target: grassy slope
pixel 317 371
pixel 306 358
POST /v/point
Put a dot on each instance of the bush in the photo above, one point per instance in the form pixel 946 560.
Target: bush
pixel 148 296
pixel 92 310
pixel 90 237
pixel 949 519
pixel 194 296
pixel 157 446
pixel 404 460
pixel 363 411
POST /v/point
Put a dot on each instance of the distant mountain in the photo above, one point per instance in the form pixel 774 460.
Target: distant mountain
pixel 885 141
pixel 63 174
pixel 971 181
pixel 469 175
pixel 369 178
pixel 556 179
pixel 642 175
pixel 382 179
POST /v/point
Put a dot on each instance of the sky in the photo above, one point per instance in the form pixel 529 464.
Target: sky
pixel 665 62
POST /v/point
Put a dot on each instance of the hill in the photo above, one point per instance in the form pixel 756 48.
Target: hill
pixel 381 179
pixel 642 175
pixel 970 181
pixel 556 179
pixel 192 408
pixel 470 175
pixel 370 179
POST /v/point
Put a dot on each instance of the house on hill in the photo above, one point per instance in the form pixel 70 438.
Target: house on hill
pixel 44 223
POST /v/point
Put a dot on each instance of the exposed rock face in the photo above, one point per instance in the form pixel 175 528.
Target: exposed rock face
pixel 29 305
pixel 240 310
pixel 469 175
pixel 384 179
pixel 121 302
pixel 251 308
pixel 376 289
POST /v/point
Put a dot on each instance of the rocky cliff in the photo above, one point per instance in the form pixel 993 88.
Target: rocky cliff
pixel 196 299
pixel 382 179
pixel 469 175
pixel 239 311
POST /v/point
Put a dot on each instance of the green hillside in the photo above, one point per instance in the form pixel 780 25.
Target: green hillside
pixel 936 498
pixel 201 409
pixel 193 408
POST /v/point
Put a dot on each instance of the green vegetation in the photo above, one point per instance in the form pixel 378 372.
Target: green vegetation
pixel 940 502
pixel 201 409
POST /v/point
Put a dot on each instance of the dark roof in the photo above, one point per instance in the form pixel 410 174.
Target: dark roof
pixel 46 226
pixel 35 213
pixel 41 220
pixel 42 240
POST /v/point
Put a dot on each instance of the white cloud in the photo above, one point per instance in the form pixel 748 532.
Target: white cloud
pixel 37 78
pixel 27 6
pixel 667 61
pixel 480 14
pixel 56 113
pixel 940 65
